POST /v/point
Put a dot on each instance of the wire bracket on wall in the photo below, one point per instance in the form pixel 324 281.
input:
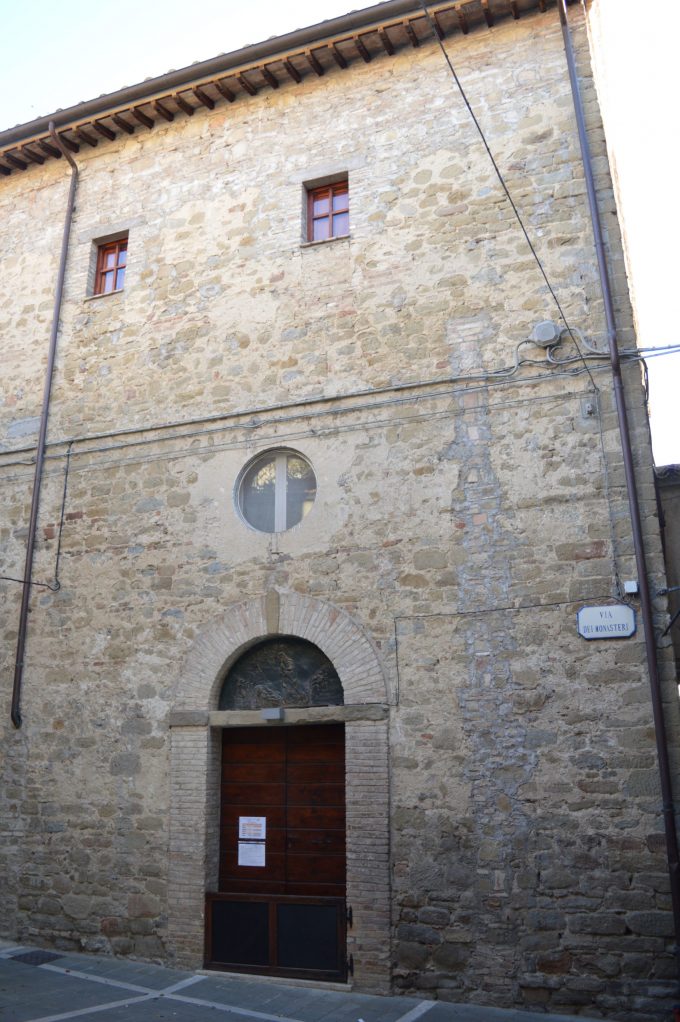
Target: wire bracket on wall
pixel 54 586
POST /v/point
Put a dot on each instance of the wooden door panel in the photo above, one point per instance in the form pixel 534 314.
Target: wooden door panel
pixel 309 817
pixel 250 752
pixel 274 868
pixel 237 886
pixel 320 752
pixel 315 842
pixel 316 794
pixel 274 815
pixel 251 773
pixel 276 839
pixel 253 795
pixel 294 778
pixel 309 773
pixel 312 869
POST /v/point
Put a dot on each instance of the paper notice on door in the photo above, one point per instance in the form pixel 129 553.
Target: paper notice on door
pixel 252 828
pixel 251 853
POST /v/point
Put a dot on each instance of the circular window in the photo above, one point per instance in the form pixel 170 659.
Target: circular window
pixel 276 490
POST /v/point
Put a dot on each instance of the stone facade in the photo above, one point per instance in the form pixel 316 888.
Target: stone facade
pixel 668 488
pixel 505 843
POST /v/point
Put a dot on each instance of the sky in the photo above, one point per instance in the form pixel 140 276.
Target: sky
pixel 59 52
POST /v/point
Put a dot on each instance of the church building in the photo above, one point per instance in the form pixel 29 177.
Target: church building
pixel 332 576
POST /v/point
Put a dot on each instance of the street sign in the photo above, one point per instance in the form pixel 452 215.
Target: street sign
pixel 614 621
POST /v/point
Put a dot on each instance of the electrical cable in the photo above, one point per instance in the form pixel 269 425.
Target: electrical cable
pixel 228 427
pixel 488 378
pixel 55 586
pixel 501 179
pixel 631 354
pixel 671 623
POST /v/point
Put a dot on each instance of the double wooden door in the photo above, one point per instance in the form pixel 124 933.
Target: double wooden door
pixel 281 904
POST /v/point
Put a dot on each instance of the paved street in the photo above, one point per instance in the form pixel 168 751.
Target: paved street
pixel 42 986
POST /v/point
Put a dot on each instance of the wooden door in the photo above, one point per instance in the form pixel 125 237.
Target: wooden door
pixel 281 907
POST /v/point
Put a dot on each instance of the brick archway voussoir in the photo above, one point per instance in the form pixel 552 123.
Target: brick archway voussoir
pixel 332 629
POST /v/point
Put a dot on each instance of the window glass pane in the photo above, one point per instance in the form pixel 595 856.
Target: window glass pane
pixel 300 489
pixel 340 224
pixel 120 278
pixel 122 255
pixel 276 491
pixel 257 494
pixel 320 204
pixel 109 259
pixel 340 199
pixel 320 229
pixel 108 281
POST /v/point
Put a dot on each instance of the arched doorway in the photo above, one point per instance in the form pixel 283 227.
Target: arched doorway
pixel 197 726
pixel 280 908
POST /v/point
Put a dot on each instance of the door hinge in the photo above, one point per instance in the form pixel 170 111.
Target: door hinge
pixel 350 965
pixel 350 917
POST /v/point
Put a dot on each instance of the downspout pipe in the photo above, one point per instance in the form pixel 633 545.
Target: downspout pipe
pixel 634 506
pixel 42 436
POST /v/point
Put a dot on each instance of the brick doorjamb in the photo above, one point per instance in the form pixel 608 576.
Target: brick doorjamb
pixel 194 771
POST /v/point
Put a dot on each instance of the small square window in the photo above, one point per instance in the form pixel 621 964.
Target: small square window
pixel 328 211
pixel 111 264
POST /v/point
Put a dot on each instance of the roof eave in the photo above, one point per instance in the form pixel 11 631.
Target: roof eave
pixel 172 80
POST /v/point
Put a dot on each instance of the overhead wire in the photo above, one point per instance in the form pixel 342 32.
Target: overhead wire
pixel 437 34
pixel 55 586
pixel 495 378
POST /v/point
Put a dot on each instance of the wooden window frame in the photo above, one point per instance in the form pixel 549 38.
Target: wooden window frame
pixel 328 191
pixel 118 248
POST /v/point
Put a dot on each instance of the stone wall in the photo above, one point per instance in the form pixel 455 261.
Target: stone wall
pixel 459 525
pixel 668 486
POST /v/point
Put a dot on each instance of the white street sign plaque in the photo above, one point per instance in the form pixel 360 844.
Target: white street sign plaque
pixel 615 621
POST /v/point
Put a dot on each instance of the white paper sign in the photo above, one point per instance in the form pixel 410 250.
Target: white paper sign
pixel 251 853
pixel 252 828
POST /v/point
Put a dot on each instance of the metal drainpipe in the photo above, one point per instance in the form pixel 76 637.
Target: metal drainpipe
pixel 40 452
pixel 645 597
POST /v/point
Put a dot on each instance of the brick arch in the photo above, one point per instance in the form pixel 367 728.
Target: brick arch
pixel 338 635
pixel 195 773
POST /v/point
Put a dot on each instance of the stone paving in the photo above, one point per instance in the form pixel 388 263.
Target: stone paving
pixel 45 986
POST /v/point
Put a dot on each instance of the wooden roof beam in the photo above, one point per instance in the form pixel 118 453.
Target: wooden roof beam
pixel 103 131
pixel 487 13
pixel 50 149
pixel 386 41
pixel 363 52
pixel 269 77
pixel 204 98
pixel 121 123
pixel 246 85
pixel 85 136
pixel 183 105
pixel 225 91
pixel 28 154
pixel 314 63
pixel 163 111
pixel 69 143
pixel 14 161
pixel 143 118
pixel 292 71
pixel 338 57
pixel 408 27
